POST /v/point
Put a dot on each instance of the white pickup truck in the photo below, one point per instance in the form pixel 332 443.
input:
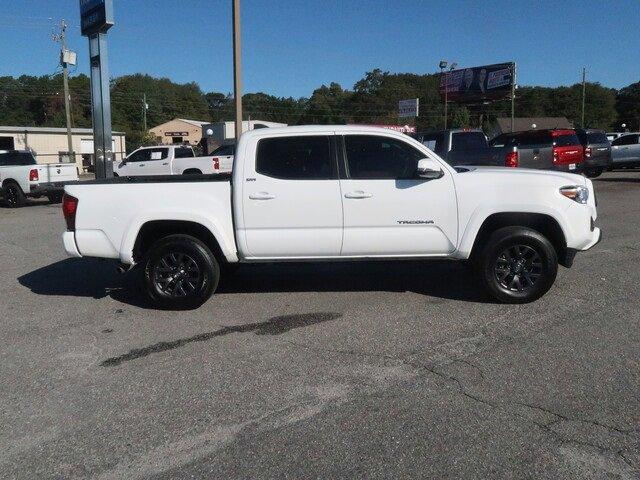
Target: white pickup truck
pixel 169 160
pixel 22 177
pixel 312 193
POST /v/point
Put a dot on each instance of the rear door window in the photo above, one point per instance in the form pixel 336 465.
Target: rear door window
pixel 376 157
pixel 183 153
pixel 296 158
pixel 597 137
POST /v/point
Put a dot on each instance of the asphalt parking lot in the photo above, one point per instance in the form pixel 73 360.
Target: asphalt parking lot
pixel 366 370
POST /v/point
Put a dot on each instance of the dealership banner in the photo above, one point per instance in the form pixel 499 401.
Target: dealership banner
pixel 477 84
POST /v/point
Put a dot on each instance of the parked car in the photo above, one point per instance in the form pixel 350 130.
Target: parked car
pixel 597 151
pixel 313 193
pixel 555 149
pixel 166 160
pixel 22 177
pixel 462 146
pixel 611 136
pixel 625 151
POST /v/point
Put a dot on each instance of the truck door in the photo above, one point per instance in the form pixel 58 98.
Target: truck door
pixel 291 198
pixel 388 210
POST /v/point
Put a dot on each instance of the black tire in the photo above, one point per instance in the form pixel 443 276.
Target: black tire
pixel 13 195
pixel 55 198
pixel 517 265
pixel 180 272
pixel 593 172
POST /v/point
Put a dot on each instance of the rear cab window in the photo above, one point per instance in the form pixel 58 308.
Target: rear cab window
pixel 296 158
pixel 565 139
pixel 224 150
pixel 465 141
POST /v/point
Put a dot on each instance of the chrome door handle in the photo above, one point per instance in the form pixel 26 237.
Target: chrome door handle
pixel 261 196
pixel 358 194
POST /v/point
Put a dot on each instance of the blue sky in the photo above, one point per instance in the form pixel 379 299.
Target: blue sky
pixel 291 47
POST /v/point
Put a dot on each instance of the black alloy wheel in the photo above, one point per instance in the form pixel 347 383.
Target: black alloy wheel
pixel 180 272
pixel 517 265
pixel 518 268
pixel 177 275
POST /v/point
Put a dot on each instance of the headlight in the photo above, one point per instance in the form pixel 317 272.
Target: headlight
pixel 576 193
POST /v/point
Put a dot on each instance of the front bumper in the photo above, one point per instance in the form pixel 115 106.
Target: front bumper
pixel 69 242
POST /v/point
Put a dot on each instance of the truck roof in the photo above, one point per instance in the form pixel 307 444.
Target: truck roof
pixel 322 128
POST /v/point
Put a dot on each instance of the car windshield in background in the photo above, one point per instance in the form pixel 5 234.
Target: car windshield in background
pixel 468 141
pixel 566 140
pixel 596 137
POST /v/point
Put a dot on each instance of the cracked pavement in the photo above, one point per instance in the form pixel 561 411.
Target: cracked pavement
pixel 376 370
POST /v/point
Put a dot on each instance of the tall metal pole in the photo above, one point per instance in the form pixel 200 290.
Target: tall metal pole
pixel 237 68
pixel 101 103
pixel 446 89
pixel 513 97
pixel 144 112
pixel 65 82
pixel 584 76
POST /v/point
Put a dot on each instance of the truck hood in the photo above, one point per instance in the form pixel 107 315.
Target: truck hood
pixel 519 174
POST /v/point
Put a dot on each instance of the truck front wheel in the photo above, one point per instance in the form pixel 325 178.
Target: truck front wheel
pixel 517 265
pixel 180 272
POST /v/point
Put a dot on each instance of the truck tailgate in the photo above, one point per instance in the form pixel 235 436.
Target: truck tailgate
pixel 57 172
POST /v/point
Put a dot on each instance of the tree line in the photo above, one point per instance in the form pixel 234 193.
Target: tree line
pixel 39 101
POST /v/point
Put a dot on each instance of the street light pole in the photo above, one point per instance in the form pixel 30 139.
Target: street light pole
pixel 237 68
pixel 584 76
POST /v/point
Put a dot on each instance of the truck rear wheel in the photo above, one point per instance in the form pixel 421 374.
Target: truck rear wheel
pixel 14 197
pixel 593 172
pixel 55 197
pixel 517 265
pixel 180 272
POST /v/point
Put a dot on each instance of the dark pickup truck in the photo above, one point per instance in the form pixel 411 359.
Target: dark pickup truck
pixel 463 146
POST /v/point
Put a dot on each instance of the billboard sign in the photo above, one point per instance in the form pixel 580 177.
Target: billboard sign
pixel 408 108
pixel 96 16
pixel 478 84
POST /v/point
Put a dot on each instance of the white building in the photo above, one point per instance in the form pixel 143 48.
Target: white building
pixel 50 145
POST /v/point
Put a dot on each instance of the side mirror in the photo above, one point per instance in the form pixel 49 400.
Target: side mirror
pixel 429 169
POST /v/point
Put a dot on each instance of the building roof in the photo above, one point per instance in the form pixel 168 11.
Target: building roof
pixel 195 123
pixel 76 131
pixel 522 124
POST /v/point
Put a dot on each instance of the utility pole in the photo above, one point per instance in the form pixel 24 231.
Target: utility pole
pixel 584 76
pixel 144 112
pixel 237 68
pixel 64 60
pixel 513 97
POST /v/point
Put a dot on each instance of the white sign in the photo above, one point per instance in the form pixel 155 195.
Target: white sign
pixel 408 108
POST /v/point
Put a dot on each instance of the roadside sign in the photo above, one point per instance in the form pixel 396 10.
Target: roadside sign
pixel 96 16
pixel 408 108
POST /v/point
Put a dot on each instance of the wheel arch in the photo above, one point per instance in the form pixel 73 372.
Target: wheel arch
pixel 543 223
pixel 153 230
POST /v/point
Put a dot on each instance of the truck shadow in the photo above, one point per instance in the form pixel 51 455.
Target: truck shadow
pixel 97 278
